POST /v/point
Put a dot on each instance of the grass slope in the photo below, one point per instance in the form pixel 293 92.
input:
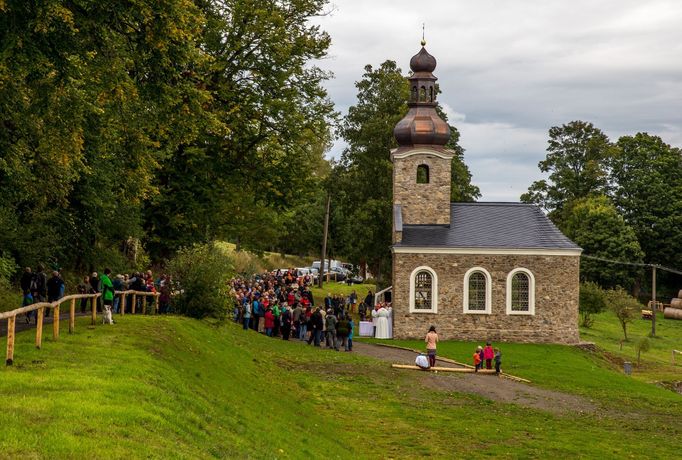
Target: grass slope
pixel 179 388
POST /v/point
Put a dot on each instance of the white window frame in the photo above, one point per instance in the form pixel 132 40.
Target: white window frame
pixel 434 290
pixel 531 292
pixel 488 292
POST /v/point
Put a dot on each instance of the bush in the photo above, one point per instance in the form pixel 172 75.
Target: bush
pixel 624 306
pixel 591 302
pixel 199 277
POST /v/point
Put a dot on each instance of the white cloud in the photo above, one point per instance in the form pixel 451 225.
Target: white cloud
pixel 509 71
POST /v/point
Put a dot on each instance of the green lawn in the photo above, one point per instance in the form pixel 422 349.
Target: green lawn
pixel 341 289
pixel 170 387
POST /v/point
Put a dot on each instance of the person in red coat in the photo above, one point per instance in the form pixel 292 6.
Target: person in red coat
pixel 269 322
pixel 488 355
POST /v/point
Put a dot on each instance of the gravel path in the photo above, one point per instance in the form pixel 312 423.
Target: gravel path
pixel 488 386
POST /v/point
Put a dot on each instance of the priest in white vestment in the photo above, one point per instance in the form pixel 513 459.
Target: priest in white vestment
pixel 381 316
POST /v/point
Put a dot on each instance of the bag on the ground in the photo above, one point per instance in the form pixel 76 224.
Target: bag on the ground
pixel 422 361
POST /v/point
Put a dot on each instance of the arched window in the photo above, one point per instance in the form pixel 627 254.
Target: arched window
pixel 477 291
pixel 520 292
pixel 422 174
pixel 423 290
pixel 422 94
pixel 415 94
pixel 431 94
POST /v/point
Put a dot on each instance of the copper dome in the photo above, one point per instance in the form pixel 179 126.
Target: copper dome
pixel 423 62
pixel 422 125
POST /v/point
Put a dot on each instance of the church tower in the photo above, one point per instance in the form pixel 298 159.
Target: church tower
pixel 421 163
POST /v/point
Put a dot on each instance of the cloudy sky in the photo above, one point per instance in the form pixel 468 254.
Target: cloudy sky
pixel 509 70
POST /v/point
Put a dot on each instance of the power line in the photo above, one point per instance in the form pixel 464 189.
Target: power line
pixel 634 264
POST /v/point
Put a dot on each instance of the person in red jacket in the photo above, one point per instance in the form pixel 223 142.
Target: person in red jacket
pixel 269 322
pixel 488 354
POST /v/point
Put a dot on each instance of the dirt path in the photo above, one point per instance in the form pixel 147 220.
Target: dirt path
pixel 488 386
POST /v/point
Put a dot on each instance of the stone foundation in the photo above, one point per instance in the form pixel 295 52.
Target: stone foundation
pixel 556 299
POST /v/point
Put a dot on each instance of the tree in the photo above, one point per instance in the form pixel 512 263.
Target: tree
pixel 591 302
pixel 577 165
pixel 595 225
pixel 624 306
pixel 647 178
pixel 642 345
pixel 364 177
pixel 270 128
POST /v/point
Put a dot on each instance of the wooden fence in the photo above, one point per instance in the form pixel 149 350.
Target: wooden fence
pixel 11 316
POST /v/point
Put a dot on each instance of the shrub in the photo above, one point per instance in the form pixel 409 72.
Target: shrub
pixel 591 302
pixel 642 345
pixel 199 277
pixel 623 305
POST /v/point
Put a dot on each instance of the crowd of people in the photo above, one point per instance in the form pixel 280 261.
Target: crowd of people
pixel 36 287
pixel 280 304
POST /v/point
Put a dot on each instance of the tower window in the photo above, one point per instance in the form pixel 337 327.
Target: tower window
pixel 422 94
pixel 431 94
pixel 415 94
pixel 422 174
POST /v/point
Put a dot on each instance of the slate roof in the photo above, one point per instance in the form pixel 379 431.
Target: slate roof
pixel 489 225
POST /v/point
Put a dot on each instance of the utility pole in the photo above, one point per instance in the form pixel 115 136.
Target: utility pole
pixel 653 301
pixel 324 241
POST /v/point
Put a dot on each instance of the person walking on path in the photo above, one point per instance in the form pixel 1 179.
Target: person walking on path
pixel 498 361
pixel 488 355
pixel 40 294
pixel 27 279
pixel 84 288
pixel 431 341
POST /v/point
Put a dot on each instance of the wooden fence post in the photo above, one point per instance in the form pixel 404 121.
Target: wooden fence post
pixel 123 304
pixel 156 303
pixel 39 327
pixel 55 323
pixel 10 340
pixel 72 316
pixel 134 303
pixel 94 310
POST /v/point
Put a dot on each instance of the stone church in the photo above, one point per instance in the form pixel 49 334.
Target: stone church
pixel 477 271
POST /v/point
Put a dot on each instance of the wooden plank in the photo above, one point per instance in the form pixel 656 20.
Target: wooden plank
pixel 134 303
pixel 39 328
pixel 122 304
pixel 55 323
pixel 156 303
pixel 72 316
pixel 463 370
pixel 10 340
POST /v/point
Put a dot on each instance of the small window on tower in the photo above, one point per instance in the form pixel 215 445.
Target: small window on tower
pixel 415 94
pixel 431 94
pixel 422 174
pixel 422 94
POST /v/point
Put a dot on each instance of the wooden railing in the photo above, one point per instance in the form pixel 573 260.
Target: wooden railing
pixel 11 316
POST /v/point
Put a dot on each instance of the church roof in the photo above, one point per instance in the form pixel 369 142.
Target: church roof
pixel 490 225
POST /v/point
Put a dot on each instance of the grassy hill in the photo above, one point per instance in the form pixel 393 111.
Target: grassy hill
pixel 179 388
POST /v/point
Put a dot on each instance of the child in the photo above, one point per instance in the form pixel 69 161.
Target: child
pixel 477 358
pixel 498 361
pixel 480 355
pixel 431 341
pixel 488 354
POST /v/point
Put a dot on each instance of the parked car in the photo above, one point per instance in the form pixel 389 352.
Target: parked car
pixel 336 274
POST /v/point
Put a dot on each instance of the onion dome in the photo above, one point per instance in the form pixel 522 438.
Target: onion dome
pixel 422 125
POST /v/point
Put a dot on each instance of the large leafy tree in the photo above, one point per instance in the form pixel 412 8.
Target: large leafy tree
pixel 595 225
pixel 647 189
pixel 364 176
pixel 274 116
pixel 92 96
pixel 576 161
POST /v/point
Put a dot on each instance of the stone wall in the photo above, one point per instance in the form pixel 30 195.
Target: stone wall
pixel 556 299
pixel 422 203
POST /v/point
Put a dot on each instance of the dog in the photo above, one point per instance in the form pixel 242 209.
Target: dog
pixel 106 316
